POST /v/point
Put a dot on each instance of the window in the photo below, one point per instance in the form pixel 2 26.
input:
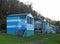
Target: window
pixel 29 20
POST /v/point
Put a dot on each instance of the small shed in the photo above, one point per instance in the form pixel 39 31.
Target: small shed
pixel 45 27
pixel 37 24
pixel 57 28
pixel 53 28
pixel 20 24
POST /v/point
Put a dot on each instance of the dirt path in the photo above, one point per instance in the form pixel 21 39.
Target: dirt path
pixel 36 41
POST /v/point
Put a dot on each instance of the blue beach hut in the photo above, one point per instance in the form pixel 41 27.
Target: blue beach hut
pixel 57 29
pixel 37 24
pixel 45 26
pixel 53 28
pixel 20 24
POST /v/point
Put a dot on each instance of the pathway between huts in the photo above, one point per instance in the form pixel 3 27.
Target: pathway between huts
pixel 36 41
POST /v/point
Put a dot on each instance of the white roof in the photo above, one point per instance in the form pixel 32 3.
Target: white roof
pixel 30 15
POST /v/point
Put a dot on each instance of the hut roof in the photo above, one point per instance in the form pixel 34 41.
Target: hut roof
pixel 27 14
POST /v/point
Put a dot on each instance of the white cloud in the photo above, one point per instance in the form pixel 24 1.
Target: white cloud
pixel 48 8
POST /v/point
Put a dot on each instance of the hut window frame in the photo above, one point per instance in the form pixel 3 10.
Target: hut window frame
pixel 29 20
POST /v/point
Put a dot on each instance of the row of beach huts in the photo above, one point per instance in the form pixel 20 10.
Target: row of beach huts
pixel 26 25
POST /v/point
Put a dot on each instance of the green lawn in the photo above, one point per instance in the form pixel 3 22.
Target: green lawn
pixel 52 39
pixel 8 39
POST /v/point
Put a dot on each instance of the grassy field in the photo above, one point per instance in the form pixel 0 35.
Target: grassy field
pixel 52 39
pixel 8 39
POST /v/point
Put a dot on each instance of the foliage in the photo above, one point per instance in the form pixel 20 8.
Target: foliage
pixel 13 7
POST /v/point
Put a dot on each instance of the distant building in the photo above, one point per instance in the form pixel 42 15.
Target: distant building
pixel 41 25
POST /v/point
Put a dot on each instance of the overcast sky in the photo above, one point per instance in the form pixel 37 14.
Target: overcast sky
pixel 48 8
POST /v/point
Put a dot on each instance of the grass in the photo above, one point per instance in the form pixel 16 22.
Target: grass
pixel 8 39
pixel 53 39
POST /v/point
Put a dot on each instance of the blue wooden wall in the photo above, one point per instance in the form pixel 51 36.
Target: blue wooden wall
pixel 16 24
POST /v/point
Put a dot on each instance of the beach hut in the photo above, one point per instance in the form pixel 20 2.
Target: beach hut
pixel 53 28
pixel 37 24
pixel 57 29
pixel 45 26
pixel 20 24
